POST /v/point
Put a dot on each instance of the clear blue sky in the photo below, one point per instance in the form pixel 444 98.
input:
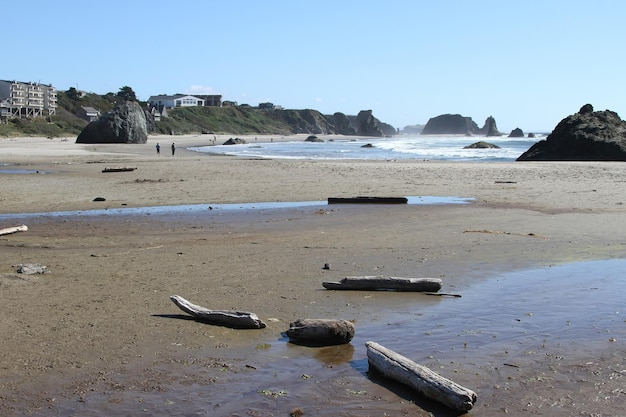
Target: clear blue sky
pixel 526 63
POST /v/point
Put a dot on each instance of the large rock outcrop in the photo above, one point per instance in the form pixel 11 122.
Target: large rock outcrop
pixel 455 124
pixel 490 128
pixel 585 136
pixel 368 125
pixel 126 123
pixel 450 124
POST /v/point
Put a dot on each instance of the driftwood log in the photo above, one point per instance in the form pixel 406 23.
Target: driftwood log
pixel 367 200
pixel 232 319
pixel 320 332
pixel 372 283
pixel 11 230
pixel 119 169
pixel 426 382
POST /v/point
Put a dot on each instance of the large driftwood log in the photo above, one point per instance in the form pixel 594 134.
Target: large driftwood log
pixel 367 200
pixel 428 383
pixel 10 230
pixel 371 283
pixel 320 332
pixel 232 319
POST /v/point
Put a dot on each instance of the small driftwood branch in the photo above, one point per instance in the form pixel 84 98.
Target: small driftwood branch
pixel 119 169
pixel 232 319
pixel 320 332
pixel 11 230
pixel 372 283
pixel 428 383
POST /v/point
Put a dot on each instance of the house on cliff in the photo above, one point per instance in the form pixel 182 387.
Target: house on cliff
pixel 177 100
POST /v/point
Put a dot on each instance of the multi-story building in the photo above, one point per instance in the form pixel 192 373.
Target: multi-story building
pixel 19 99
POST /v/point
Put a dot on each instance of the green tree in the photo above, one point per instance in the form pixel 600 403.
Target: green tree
pixel 127 94
pixel 72 94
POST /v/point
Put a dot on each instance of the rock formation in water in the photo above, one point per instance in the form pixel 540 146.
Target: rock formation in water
pixel 481 145
pixel 585 136
pixel 125 123
pixel 490 128
pixel 450 124
pixel 516 133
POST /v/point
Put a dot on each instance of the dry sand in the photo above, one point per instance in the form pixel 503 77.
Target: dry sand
pixel 93 323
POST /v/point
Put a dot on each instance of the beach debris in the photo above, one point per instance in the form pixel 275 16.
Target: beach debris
pixel 326 266
pixel 15 229
pixel 425 381
pixel 443 294
pixel 375 283
pixel 30 269
pixel 99 199
pixel 119 169
pixel 367 200
pixel 320 332
pixel 226 318
pixel 497 232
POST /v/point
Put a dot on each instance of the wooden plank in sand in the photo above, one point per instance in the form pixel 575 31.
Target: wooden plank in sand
pixel 426 382
pixel 375 283
pixel 232 319
pixel 11 230
pixel 367 200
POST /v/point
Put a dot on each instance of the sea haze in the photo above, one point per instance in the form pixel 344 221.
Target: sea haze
pixel 436 147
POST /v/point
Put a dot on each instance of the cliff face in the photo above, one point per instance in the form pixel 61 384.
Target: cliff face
pixel 241 120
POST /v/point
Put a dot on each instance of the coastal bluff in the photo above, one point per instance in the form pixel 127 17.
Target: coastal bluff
pixel 456 124
pixel 584 136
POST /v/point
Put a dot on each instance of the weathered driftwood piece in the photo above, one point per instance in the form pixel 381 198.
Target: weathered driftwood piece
pixel 232 319
pixel 119 169
pixel 367 200
pixel 30 269
pixel 320 332
pixel 428 383
pixel 10 230
pixel 371 283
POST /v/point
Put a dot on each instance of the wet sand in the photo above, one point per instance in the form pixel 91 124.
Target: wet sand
pixel 99 335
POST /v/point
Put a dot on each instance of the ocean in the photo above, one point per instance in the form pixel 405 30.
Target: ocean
pixel 402 147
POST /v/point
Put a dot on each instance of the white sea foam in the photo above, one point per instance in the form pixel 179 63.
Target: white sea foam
pixel 449 148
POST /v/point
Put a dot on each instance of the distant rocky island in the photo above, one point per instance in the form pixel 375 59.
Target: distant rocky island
pixel 455 124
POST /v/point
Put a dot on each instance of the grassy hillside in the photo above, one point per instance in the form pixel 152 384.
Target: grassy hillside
pixel 233 120
pixel 183 120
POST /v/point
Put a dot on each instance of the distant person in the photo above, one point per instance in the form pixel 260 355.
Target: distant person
pixel 173 148
pixel 158 148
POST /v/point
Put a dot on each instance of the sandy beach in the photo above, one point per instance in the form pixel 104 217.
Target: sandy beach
pixel 95 335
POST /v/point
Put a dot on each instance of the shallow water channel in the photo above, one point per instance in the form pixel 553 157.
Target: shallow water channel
pixel 500 326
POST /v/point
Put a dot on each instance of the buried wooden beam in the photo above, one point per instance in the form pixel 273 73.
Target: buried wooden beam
pixel 373 283
pixel 232 319
pixel 426 382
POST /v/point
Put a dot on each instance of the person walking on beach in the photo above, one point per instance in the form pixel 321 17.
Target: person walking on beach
pixel 173 148
pixel 158 148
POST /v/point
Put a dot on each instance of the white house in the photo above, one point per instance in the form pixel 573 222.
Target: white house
pixel 177 100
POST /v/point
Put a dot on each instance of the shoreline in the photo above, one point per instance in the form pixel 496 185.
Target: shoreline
pixel 103 312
